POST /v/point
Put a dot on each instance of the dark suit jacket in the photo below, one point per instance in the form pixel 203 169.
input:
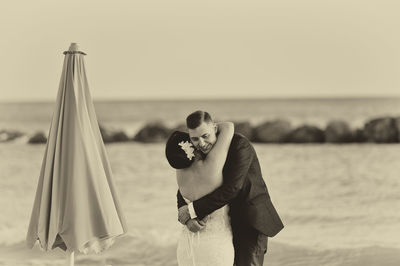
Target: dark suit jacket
pixel 244 189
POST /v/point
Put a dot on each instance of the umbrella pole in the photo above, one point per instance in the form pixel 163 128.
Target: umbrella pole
pixel 70 258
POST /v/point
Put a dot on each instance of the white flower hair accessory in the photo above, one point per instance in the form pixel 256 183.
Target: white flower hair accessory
pixel 188 148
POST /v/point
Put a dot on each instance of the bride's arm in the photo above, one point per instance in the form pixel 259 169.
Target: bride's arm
pixel 217 156
pixel 214 161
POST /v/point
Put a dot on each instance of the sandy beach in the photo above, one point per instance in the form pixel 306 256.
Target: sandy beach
pixel 339 204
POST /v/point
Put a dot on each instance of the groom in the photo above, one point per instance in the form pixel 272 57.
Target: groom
pixel 253 216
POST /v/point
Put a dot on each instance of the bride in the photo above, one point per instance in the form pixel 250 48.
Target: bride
pixel 197 177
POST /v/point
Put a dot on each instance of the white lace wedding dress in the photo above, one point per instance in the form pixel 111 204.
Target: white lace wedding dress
pixel 212 246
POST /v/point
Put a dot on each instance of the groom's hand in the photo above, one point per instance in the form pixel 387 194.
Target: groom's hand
pixel 204 220
pixel 183 214
pixel 194 225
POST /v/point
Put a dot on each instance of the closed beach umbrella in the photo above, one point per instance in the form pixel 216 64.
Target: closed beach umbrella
pixel 76 207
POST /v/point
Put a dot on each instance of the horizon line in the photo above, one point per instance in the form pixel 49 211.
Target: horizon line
pixel 255 98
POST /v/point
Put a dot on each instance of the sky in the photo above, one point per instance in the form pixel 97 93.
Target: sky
pixel 147 49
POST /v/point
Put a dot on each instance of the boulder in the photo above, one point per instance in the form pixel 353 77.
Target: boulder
pixel 106 134
pixel 245 129
pixel 358 135
pixel 153 132
pixel 397 124
pixel 38 138
pixel 272 131
pixel 120 136
pixel 338 132
pixel 110 136
pixel 307 134
pixel 381 130
pixel 8 135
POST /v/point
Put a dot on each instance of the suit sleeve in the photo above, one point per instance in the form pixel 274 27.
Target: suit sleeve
pixel 238 164
pixel 180 201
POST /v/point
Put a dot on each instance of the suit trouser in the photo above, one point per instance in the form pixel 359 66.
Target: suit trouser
pixel 250 246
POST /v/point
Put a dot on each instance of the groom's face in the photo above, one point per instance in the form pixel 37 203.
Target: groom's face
pixel 204 136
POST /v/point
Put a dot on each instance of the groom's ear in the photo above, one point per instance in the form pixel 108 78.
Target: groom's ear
pixel 215 128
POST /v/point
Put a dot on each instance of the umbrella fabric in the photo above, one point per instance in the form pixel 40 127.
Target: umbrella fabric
pixel 76 205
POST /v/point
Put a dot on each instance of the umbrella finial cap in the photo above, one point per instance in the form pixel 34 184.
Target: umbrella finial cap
pixel 74 47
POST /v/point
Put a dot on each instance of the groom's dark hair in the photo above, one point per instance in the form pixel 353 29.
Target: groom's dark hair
pixel 196 118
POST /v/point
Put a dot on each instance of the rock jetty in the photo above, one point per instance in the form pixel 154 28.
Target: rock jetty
pixel 376 130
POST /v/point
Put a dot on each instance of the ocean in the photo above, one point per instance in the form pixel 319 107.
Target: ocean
pixel 340 203
pixel 130 115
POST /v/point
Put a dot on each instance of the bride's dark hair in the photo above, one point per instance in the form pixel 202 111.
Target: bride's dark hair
pixel 176 156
